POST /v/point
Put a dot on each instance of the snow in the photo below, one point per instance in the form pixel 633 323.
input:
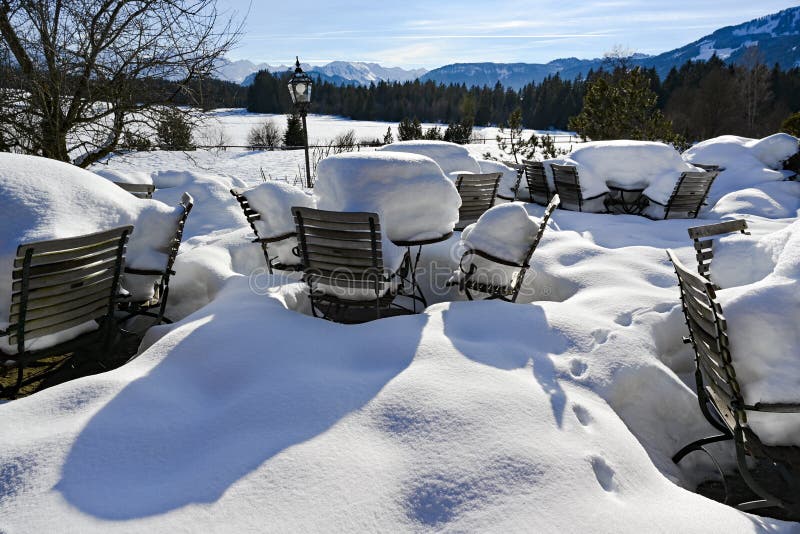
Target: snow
pixel 45 199
pixel 750 169
pixel 452 158
pixel 504 231
pixel 414 200
pixel 561 411
pixel 274 201
pixel 656 167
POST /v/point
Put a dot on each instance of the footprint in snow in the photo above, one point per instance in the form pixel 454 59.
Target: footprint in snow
pixel 577 368
pixel 582 414
pixel 604 474
pixel 624 319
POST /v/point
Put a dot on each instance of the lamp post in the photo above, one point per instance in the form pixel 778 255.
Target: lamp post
pixel 300 91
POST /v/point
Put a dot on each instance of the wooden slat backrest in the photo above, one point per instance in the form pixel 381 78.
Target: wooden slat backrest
pixel 708 333
pixel 340 249
pixel 61 283
pixel 689 194
pixel 703 241
pixel 187 203
pixel 138 190
pixel 568 185
pixel 249 213
pixel 536 177
pixel 478 192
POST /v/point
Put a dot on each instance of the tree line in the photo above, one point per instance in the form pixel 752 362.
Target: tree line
pixel 701 99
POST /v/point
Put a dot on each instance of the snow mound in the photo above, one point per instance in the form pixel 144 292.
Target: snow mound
pixel 654 166
pixel 46 199
pixel 744 162
pixel 762 315
pixel 506 232
pixel 452 158
pixel 274 201
pixel 508 178
pixel 125 177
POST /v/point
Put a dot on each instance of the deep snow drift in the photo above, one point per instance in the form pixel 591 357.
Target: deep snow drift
pixel 452 158
pixel 556 414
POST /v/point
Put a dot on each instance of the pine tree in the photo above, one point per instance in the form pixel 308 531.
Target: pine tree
pixel 388 138
pixel 622 106
pixel 294 135
pixel 408 130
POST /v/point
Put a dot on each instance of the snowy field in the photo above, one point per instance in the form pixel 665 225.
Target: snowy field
pixel 556 414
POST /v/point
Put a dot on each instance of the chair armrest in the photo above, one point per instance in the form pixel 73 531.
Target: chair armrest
pixel 146 272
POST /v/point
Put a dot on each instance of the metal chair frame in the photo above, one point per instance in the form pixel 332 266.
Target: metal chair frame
pixel 343 250
pixel 161 293
pixel 57 285
pixel 719 393
pixel 508 293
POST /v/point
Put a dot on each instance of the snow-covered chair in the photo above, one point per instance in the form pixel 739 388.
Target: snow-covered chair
pixel 520 168
pixel 568 187
pixel 538 187
pixel 703 241
pixel 138 190
pixel 686 199
pixel 343 265
pixel 252 216
pixel 469 280
pixel 157 304
pixel 478 192
pixel 722 403
pixel 64 293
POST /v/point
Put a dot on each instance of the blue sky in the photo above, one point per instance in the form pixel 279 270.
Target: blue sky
pixel 432 33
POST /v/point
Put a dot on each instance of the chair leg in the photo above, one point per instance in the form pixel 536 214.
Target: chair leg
pixel 697 445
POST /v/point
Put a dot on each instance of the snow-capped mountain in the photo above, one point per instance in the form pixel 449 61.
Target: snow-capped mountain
pixel 342 72
pixel 777 37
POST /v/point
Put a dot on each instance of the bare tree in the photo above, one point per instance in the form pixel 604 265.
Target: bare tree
pixel 753 79
pixel 78 73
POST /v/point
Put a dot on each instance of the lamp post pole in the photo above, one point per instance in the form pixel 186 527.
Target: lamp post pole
pixel 309 184
pixel 300 90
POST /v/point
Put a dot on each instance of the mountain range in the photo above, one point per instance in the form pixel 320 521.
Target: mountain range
pixel 777 37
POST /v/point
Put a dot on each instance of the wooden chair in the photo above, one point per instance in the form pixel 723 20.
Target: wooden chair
pixel 478 192
pixel 161 293
pixel 138 190
pixel 568 187
pixel 253 216
pixel 703 241
pixel 515 188
pixel 538 187
pixel 58 285
pixel 720 397
pixel 688 196
pixel 508 291
pixel 343 266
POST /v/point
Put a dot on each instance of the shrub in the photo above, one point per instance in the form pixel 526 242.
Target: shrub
pixel 792 125
pixel 174 130
pixel 266 135
pixel 409 130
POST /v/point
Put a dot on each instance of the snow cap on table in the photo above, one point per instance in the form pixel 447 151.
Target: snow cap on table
pixel 452 158
pixel 125 177
pixel 656 167
pixel 414 199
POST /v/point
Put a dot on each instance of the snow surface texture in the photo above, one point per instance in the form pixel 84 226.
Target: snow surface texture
pixel 656 167
pixel 506 232
pixel 274 201
pixel 452 158
pixel 555 415
pixel 45 199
